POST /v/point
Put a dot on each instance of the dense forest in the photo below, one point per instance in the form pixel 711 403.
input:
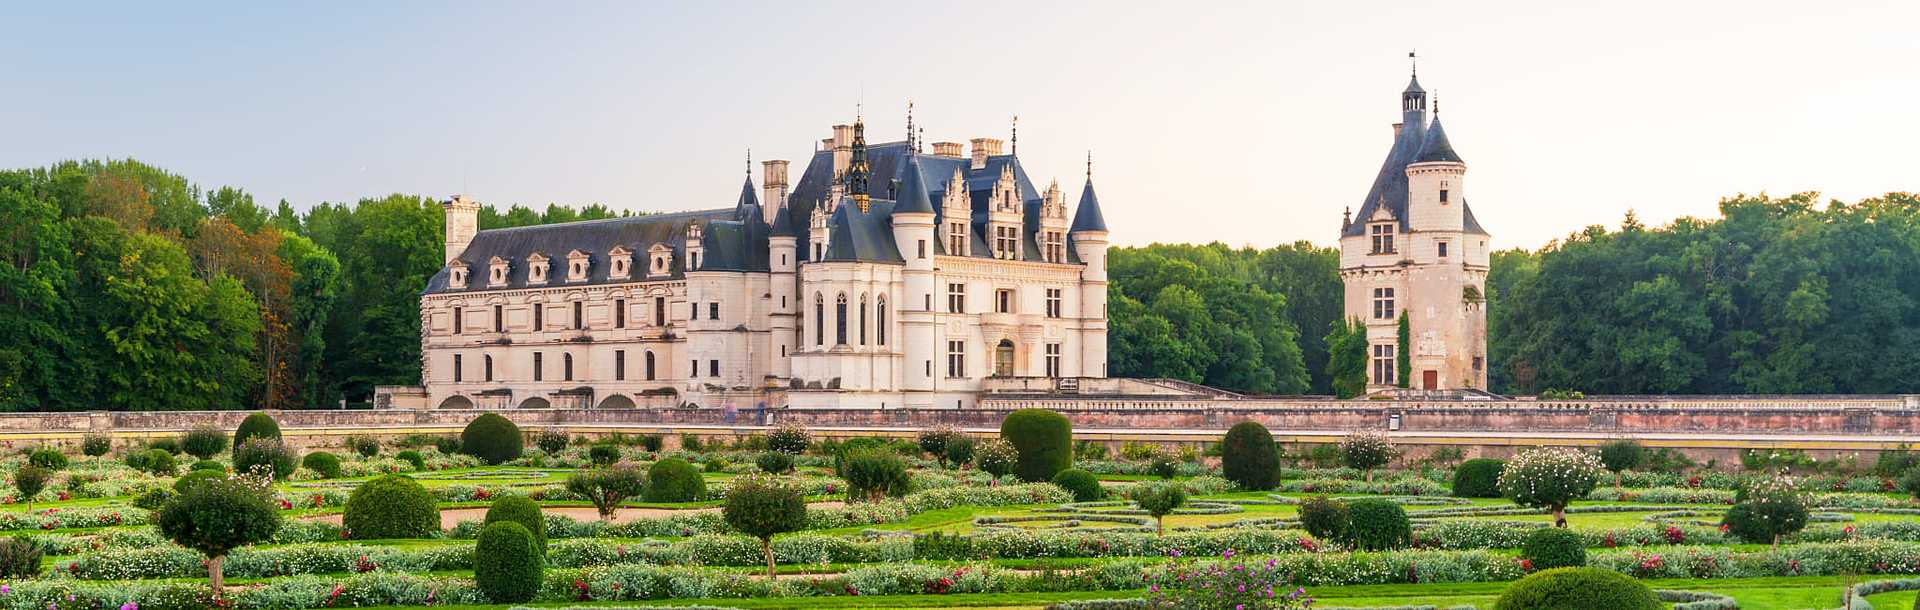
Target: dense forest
pixel 127 287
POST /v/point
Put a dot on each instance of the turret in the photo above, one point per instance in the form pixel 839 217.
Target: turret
pixel 1436 182
pixel 782 285
pixel 1089 234
pixel 858 171
pixel 462 222
pixel 913 233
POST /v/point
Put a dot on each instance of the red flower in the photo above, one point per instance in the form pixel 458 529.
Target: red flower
pixel 1526 565
pixel 1675 535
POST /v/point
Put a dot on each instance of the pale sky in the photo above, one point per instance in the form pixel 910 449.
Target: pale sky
pixel 1252 124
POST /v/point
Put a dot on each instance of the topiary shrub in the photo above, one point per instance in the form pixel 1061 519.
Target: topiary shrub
pixel 209 465
pixel 492 438
pixel 363 444
pixel 1549 478
pixel 608 487
pixel 1082 484
pixel 507 565
pixel 1478 478
pixel 19 557
pixel 50 459
pixel 1044 441
pixel 791 439
pixel 30 480
pixel 763 506
pixel 419 462
pixel 216 517
pixel 1160 500
pixel 1248 457
pixel 774 462
pixel 1554 547
pixel 873 474
pixel 391 506
pixel 603 454
pixel 1325 518
pixel 257 425
pixel 166 443
pixel 264 454
pixel 959 450
pixel 996 456
pixel 718 464
pixel 96 445
pixel 1621 455
pixel 1377 525
pixel 153 498
pixel 326 464
pixel 1773 507
pixel 519 509
pixel 1566 588
pixel 1366 451
pixel 675 480
pixel 196 477
pixel 154 461
pixel 551 441
pixel 204 441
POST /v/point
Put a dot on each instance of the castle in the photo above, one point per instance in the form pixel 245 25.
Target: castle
pixel 1415 249
pixel 888 277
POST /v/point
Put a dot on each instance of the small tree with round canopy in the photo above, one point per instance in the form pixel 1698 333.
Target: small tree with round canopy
pixel 1550 478
pixel 1160 500
pixel 1620 456
pixel 216 517
pixel 608 487
pixel 763 506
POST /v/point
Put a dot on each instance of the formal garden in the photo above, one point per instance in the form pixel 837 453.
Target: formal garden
pixel 501 516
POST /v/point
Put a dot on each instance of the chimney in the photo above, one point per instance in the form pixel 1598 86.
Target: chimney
pixel 774 182
pixel 983 148
pixel 947 149
pixel 842 136
pixel 842 150
pixel 462 222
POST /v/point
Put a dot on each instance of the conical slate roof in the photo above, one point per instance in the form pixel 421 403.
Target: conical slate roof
pixel 913 190
pixel 1436 148
pixel 1087 217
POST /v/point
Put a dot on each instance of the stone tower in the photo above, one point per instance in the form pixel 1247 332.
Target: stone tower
pixel 1416 248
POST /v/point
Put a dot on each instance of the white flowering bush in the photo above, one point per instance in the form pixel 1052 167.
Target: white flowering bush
pixel 1550 478
pixel 1367 450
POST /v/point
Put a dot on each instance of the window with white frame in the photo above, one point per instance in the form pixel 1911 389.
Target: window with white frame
pixel 1054 302
pixel 1382 238
pixel 1383 303
pixel 1053 360
pixel 956 359
pixel 956 297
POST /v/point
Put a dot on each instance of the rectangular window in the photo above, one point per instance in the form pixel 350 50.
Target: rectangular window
pixel 713 310
pixel 487 361
pixel 1443 248
pixel 1053 360
pixel 1383 303
pixel 1053 302
pixel 1478 362
pixel 1003 301
pixel 923 248
pixel 1383 238
pixel 566 367
pixel 659 311
pixel 538 359
pixel 499 321
pixel 693 310
pixel 957 239
pixel 539 316
pixel 456 368
pixel 620 313
pixel 929 368
pixel 458 323
pixel 696 368
pixel 619 365
pixel 713 368
pixel 1443 196
pixel 1383 365
pixel 956 359
pixel 579 321
pixel 956 298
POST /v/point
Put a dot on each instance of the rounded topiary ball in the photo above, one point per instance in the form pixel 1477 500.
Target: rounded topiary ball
pixel 50 459
pixel 209 465
pixel 1377 525
pixel 1044 441
pixel 267 454
pixel 1325 518
pixel 391 506
pixel 675 480
pixel 1478 478
pixel 196 477
pixel 492 438
pixel 519 509
pixel 1562 588
pixel 1248 457
pixel 1554 547
pixel 156 461
pixel 327 464
pixel 507 564
pixel 774 462
pixel 257 425
pixel 1082 484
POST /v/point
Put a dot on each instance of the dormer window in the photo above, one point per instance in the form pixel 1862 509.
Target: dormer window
pixel 497 271
pixel 957 238
pixel 1382 238
pixel 1056 246
pixel 620 260
pixel 457 274
pixel 659 260
pixel 577 263
pixel 537 266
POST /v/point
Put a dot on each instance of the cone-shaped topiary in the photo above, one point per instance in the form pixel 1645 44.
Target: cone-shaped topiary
pixel 1044 440
pixel 507 565
pixel 492 438
pixel 1478 478
pixel 1248 457
pixel 1562 588
pixel 675 480
pixel 519 509
pixel 1082 484
pixel 257 425
pixel 391 506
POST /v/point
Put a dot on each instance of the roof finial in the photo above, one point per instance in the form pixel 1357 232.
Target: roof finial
pixel 910 144
pixel 1414 58
pixel 1016 135
pixel 919 139
pixel 1436 103
pixel 749 161
pixel 1089 164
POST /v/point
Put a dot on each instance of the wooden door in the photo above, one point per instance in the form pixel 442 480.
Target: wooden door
pixel 1430 380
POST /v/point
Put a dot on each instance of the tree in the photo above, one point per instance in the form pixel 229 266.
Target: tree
pixel 608 487
pixel 1549 478
pixel 30 480
pixel 1347 357
pixel 762 507
pixel 1248 457
pixel 216 517
pixel 1160 500
pixel 934 442
pixel 996 456
pixel 1773 507
pixel 1366 451
pixel 1621 455
pixel 1403 353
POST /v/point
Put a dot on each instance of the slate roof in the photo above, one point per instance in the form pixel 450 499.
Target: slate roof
pixel 595 237
pixel 1087 217
pixel 1436 148
pixel 1389 188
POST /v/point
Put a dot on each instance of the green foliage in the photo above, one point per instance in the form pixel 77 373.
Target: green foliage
pixel 1160 500
pixel 652 443
pixel 1554 547
pixel 603 454
pixel 153 498
pixel 1769 509
pixel 1044 441
pixel 1478 478
pixel 762 506
pixel 1376 525
pixel 1221 316
pixel 208 465
pixel 216 517
pixel 96 445
pixel 30 480
pixel 1403 354
pixel 1623 454
pixel 959 450
pixel 50 459
pixel 675 480
pixel 449 445
pixel 19 557
pixel 327 464
pixel 1084 486
pixel 267 454
pixel 1248 457
pixel 1549 478
pixel 256 425
pixel 204 441
pixel 1325 518
pixel 166 443
pixel 492 438
pixel 872 474
pixel 363 444
pixel 196 477
pixel 1367 451
pixel 1895 462
pixel 933 441
pixel 419 462
pixel 774 462
pixel 555 441
pixel 720 464
pixel 1347 357
pixel 1164 464
pixel 153 461
pixel 519 509
pixel 508 563
pixel 791 439
pixel 608 487
pixel 1565 588
pixel 690 442
pixel 391 506
pixel 996 456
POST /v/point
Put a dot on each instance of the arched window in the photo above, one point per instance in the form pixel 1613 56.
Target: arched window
pixel 566 362
pixel 1003 359
pixel 488 360
pixel 819 320
pixel 880 322
pixel 649 365
pixel 840 320
pixel 863 319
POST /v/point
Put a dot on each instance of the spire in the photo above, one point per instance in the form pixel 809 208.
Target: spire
pixel 913 191
pixel 1087 217
pixel 1089 165
pixel 858 172
pixel 911 146
pixel 1015 140
pixel 1436 148
pixel 1413 100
